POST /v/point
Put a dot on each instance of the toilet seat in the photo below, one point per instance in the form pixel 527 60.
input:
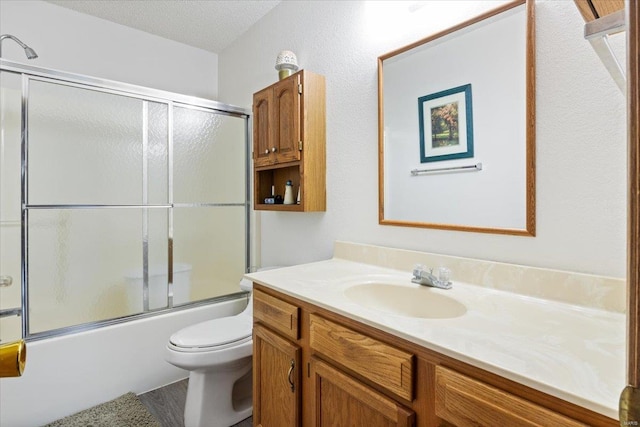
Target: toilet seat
pixel 212 335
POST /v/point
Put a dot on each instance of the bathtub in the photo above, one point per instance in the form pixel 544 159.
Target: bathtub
pixel 67 374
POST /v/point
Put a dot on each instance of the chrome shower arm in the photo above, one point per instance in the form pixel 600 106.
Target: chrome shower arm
pixel 31 54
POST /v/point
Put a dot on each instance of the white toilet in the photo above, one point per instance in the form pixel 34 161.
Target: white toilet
pixel 218 354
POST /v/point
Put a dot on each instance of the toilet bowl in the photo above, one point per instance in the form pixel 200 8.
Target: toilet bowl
pixel 218 355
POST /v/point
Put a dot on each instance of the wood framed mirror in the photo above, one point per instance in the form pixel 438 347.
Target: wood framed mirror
pixel 456 127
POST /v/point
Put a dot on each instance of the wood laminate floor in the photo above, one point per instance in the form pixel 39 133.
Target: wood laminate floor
pixel 167 405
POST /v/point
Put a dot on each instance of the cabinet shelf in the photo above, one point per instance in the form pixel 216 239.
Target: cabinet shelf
pixel 278 207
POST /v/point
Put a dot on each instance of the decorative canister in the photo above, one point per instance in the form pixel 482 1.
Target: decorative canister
pixel 286 64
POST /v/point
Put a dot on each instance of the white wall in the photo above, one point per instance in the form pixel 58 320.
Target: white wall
pixel 581 138
pixel 71 41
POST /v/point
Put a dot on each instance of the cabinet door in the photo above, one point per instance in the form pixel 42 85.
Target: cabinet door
pixel 340 400
pixel 467 402
pixel 262 130
pixel 276 380
pixel 286 120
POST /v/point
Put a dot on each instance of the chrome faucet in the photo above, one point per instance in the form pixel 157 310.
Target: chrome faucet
pixel 425 277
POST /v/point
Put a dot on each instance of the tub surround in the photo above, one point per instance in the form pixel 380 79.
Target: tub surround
pixel 557 332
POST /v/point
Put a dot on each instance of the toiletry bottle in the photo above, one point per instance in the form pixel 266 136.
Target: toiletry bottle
pixel 288 193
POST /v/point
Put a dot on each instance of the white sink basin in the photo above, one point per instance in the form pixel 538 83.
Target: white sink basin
pixel 409 301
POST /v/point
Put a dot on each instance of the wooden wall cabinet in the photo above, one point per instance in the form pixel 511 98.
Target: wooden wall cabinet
pixel 289 134
pixel 350 374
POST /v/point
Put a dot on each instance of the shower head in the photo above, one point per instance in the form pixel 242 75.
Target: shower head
pixel 31 54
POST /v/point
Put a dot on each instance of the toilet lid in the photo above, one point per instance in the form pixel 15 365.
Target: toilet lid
pixel 213 333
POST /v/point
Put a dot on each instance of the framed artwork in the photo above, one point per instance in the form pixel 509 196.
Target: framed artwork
pixel 446 125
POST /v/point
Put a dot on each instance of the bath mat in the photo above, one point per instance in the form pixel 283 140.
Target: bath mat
pixel 124 411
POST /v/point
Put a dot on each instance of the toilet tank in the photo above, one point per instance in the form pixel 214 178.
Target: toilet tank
pixel 246 285
pixel 158 280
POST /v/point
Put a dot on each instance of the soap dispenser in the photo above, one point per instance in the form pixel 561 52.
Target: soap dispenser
pixel 288 193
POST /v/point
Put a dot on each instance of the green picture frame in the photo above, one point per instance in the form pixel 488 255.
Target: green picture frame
pixel 446 125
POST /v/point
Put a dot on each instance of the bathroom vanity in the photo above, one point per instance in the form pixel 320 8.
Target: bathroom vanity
pixel 344 342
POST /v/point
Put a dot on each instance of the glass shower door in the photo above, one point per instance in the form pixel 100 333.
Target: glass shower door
pixel 91 209
pixel 209 196
pixel 117 201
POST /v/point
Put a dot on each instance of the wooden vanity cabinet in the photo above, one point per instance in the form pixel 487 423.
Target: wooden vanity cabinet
pixel 350 374
pixel 379 362
pixel 276 363
pixel 325 396
pixel 465 401
pixel 276 380
pixel 340 400
pixel 289 133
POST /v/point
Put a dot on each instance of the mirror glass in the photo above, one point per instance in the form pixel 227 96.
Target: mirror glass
pixel 456 127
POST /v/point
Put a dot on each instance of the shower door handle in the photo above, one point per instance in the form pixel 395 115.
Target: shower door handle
pixel 293 365
pixel 5 281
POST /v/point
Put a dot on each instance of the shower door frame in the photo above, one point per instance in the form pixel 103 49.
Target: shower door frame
pixel 171 100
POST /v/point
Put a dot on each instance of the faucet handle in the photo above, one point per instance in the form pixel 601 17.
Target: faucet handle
pixel 422 267
pixel 444 274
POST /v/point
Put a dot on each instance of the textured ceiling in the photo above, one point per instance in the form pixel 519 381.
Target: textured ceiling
pixel 207 24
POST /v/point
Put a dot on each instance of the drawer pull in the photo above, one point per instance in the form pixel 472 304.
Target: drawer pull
pixel 293 365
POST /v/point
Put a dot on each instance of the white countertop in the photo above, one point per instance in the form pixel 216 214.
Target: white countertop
pixel 574 353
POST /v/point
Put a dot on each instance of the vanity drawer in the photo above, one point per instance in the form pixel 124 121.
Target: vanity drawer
pixel 379 362
pixel 277 314
pixel 464 401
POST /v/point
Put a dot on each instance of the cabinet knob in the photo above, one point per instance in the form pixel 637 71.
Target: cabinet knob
pixel 273 149
pixel 266 151
pixel 5 281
